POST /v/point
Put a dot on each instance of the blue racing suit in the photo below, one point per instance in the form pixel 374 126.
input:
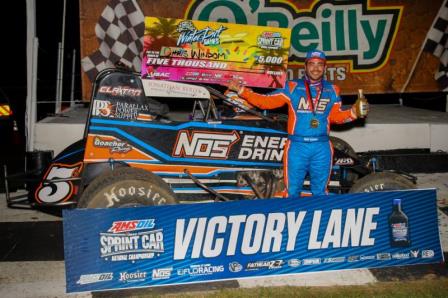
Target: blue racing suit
pixel 308 149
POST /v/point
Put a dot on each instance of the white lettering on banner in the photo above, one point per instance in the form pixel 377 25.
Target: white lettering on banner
pixel 334 228
pixel 218 224
pixel 264 233
pixel 273 232
pixel 253 233
pixel 294 225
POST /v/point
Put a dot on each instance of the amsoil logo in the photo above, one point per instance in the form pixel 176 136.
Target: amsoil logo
pixel 204 144
pixel 131 225
pixel 346 31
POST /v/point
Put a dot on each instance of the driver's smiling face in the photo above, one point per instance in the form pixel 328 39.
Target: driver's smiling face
pixel 315 69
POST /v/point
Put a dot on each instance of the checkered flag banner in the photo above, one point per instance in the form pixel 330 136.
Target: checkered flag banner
pixel 120 31
pixel 437 44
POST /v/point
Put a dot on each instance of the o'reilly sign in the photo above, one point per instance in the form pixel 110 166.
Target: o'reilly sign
pixel 348 31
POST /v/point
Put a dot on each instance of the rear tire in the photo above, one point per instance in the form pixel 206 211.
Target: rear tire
pixel 381 182
pixel 126 187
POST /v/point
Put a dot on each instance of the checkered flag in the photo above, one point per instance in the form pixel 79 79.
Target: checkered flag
pixel 120 31
pixel 437 44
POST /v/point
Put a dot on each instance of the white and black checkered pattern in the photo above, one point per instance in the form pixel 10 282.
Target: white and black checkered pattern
pixel 120 31
pixel 437 44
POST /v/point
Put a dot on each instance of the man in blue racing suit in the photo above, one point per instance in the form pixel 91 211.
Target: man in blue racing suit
pixel 313 104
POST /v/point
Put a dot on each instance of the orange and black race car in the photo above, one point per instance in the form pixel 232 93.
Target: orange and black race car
pixel 152 142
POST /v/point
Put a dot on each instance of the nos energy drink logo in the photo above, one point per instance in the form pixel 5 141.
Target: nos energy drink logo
pixel 351 32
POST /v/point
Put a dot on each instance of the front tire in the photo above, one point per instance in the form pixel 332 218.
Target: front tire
pixel 381 182
pixel 126 187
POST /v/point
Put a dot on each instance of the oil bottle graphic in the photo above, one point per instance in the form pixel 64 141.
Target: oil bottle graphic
pixel 399 226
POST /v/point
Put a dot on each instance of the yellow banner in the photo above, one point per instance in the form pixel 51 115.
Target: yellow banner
pixel 212 52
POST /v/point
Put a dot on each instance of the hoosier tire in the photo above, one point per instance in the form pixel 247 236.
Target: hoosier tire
pixel 381 182
pixel 126 187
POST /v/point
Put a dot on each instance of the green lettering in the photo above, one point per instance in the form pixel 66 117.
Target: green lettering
pixel 238 13
pixel 326 35
pixel 373 40
pixel 352 30
pixel 340 32
pixel 301 33
pixel 265 17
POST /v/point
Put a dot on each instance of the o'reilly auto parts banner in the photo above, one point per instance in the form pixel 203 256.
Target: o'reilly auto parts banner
pixel 176 244
pixel 370 44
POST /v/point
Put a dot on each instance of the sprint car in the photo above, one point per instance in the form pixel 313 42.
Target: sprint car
pixel 151 142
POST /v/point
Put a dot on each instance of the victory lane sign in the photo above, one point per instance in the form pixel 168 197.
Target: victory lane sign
pixel 176 244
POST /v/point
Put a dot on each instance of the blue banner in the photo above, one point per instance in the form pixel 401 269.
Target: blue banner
pixel 176 244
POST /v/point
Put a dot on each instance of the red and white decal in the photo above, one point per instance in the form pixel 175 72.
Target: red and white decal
pixel 344 161
pixel 204 144
pixel 120 91
pixel 52 192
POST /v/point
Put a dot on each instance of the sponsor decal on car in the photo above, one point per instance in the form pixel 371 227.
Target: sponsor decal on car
pixel 344 161
pixel 121 110
pixel 103 108
pixel 204 144
pixel 131 241
pixel 120 91
pixel 86 279
pixel 263 148
pixel 60 190
pixel 115 145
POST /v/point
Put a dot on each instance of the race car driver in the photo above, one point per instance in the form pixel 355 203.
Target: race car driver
pixel 313 104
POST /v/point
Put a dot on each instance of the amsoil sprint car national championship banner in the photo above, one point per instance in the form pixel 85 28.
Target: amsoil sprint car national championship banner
pixel 210 52
pixel 162 245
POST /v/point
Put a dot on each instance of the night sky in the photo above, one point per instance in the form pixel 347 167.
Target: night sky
pixel 48 30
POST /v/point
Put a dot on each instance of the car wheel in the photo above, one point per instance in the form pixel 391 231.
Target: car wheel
pixel 126 187
pixel 381 182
